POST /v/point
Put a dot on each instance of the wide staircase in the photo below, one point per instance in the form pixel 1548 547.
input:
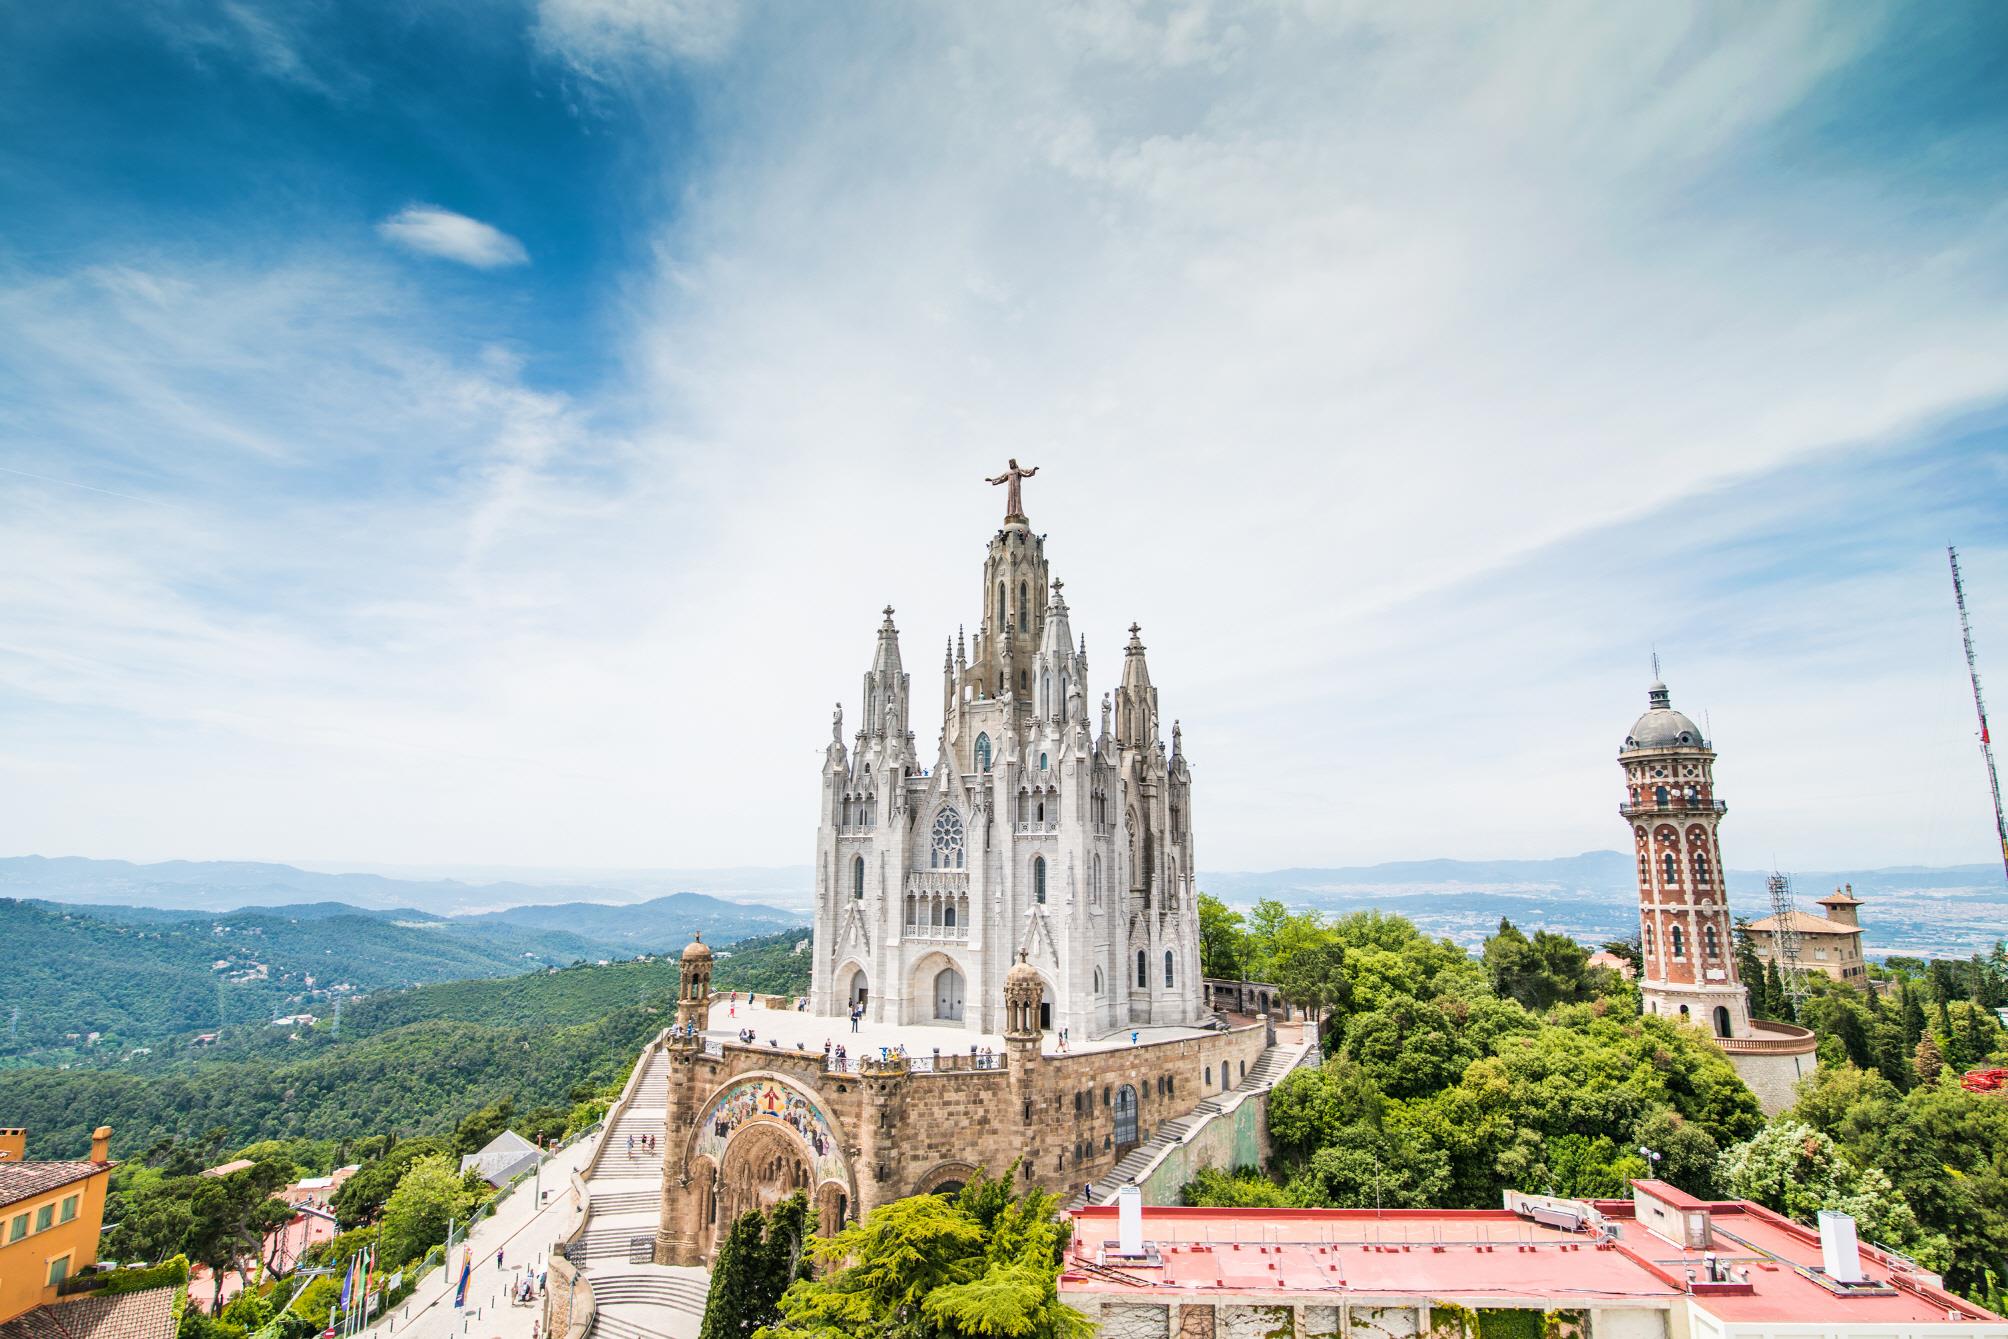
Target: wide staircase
pixel 634 1298
pixel 1276 1061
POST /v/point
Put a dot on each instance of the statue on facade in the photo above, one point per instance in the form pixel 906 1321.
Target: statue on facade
pixel 1014 505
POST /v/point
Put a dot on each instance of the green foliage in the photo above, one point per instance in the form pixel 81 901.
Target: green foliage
pixel 764 965
pixel 1943 1150
pixel 983 1263
pixel 431 1194
pixel 147 979
pixel 1223 943
pixel 1547 970
pixel 1243 1188
pixel 170 1273
pixel 362 1197
pixel 418 1077
pixel 1798 1171
pixel 195 1325
pixel 248 1311
pixel 761 1257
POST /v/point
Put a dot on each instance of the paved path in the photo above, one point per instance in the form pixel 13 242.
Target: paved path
pixel 523 1231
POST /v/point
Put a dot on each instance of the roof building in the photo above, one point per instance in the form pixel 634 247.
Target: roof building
pixel 507 1156
pixel 148 1314
pixel 1661 1265
pixel 1685 931
pixel 1831 944
pixel 50 1217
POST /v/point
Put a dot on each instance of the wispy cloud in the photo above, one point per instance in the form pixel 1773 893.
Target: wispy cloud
pixel 1407 375
pixel 441 232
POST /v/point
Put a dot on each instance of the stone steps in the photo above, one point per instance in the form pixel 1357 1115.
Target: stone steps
pixel 1274 1063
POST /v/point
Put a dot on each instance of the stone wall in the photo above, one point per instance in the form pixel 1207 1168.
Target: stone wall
pixel 1238 1137
pixel 905 1129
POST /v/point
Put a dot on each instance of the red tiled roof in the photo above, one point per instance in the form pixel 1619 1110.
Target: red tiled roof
pixel 25 1180
pixel 140 1315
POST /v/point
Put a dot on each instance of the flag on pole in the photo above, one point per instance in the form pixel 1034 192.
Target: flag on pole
pixel 466 1268
pixel 348 1284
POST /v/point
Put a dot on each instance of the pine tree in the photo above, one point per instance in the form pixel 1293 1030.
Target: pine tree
pixel 1774 990
pixel 1927 1062
pixel 730 1311
pixel 1913 1017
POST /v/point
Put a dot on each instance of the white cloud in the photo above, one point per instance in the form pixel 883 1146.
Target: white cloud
pixel 605 36
pixel 1380 363
pixel 450 236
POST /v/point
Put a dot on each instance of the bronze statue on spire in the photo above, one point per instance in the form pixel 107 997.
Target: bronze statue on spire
pixel 1014 505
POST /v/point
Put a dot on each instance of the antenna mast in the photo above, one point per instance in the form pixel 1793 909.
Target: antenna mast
pixel 1785 942
pixel 1979 704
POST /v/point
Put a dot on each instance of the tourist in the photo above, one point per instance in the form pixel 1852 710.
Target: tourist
pixel 1087 1192
pixel 498 1259
pixel 1133 1036
pixel 630 1146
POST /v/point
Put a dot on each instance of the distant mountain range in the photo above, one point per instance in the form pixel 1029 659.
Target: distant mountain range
pixel 1954 910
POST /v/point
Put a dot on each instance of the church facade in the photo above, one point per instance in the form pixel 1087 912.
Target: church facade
pixel 1039 827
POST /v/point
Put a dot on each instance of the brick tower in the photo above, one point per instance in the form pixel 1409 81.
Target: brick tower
pixel 1684 922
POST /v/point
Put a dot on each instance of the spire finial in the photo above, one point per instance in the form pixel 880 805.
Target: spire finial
pixel 1655 663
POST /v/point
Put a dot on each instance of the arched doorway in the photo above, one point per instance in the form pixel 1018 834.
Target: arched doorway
pixel 1125 1117
pixel 948 995
pixel 762 1167
pixel 1721 1020
pixel 858 990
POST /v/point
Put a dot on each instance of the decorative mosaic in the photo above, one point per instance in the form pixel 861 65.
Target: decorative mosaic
pixel 753 1101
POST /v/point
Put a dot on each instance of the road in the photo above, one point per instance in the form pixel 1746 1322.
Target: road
pixel 523 1231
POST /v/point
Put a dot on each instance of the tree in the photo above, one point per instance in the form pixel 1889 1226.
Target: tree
pixel 1244 1188
pixel 1223 944
pixel 429 1197
pixel 478 1127
pixel 1927 1061
pixel 1549 969
pixel 761 1257
pixel 1797 1170
pixel 984 1263
pixel 230 1215
pixel 1311 974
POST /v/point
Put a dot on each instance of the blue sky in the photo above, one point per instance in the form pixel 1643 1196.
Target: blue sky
pixel 485 433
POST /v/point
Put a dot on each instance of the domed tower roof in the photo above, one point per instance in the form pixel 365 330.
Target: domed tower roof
pixel 1662 727
pixel 696 948
pixel 1023 977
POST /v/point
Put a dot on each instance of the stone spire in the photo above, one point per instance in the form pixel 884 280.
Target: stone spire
pixel 886 685
pixel 1136 700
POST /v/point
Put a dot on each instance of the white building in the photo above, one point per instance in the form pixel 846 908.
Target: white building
pixel 1036 830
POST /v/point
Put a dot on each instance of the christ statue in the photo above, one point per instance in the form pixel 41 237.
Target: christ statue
pixel 1014 506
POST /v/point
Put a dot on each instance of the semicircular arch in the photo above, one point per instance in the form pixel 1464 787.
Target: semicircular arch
pixel 765 1099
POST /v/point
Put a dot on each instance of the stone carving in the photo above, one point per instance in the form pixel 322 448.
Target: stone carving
pixel 1014 505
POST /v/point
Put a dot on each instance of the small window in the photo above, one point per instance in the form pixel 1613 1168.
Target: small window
pixel 1042 762
pixel 69 1209
pixel 858 877
pixel 983 753
pixel 1098 981
pixel 44 1217
pixel 1672 870
pixel 1039 878
pixel 18 1228
pixel 1167 969
pixel 1024 610
pixel 1709 943
pixel 948 918
pixel 59 1269
pixel 1679 943
pixel 1142 971
pixel 1209 1077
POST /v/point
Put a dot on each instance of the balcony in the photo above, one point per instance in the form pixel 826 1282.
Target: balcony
pixel 1674 808
pixel 1036 829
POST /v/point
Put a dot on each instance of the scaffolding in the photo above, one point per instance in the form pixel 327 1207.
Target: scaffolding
pixel 1785 941
pixel 1979 704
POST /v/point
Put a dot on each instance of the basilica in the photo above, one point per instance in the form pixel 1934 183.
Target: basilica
pixel 1035 830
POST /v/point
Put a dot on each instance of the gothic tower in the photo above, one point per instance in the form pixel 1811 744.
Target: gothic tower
pixel 1030 837
pixel 1684 923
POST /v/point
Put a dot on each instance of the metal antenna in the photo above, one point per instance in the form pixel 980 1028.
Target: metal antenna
pixel 1655 662
pixel 1785 941
pixel 1979 703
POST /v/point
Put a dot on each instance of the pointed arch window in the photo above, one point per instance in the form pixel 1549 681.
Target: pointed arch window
pixel 1038 878
pixel 983 752
pixel 858 877
pixel 1003 616
pixel 1167 969
pixel 947 845
pixel 1142 970
pixel 1098 982
pixel 1024 610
